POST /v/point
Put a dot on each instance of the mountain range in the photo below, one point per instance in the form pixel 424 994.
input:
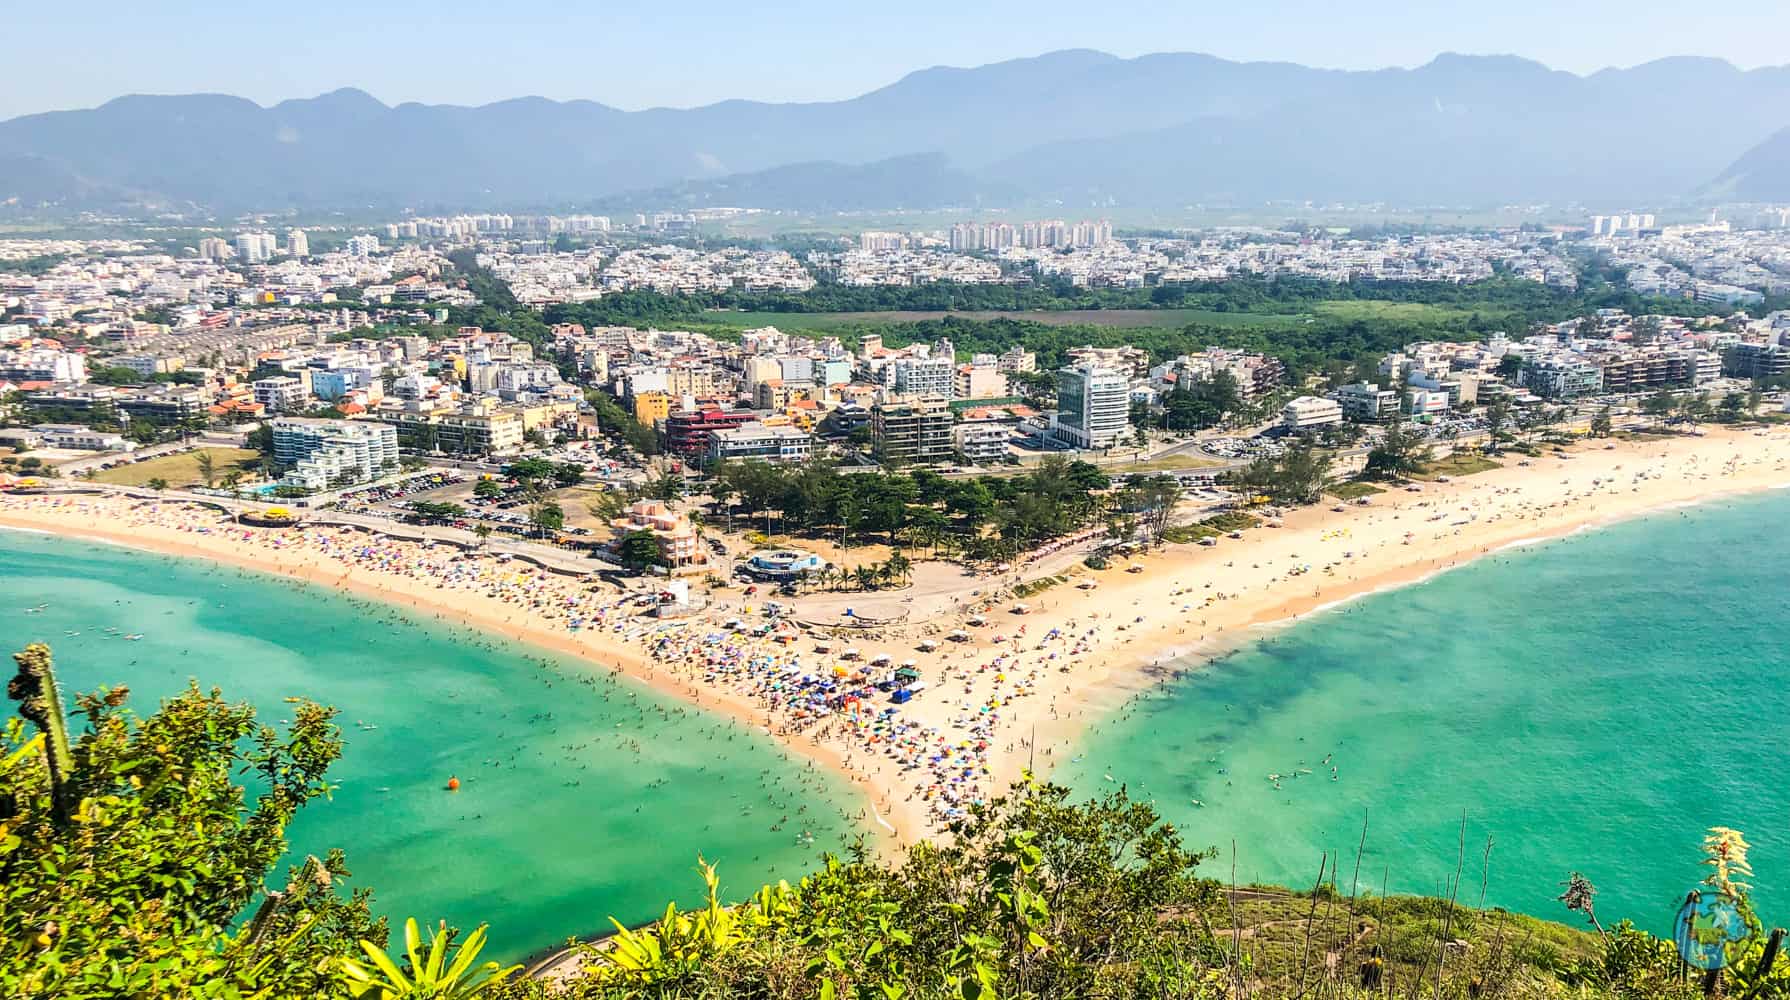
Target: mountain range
pixel 1080 130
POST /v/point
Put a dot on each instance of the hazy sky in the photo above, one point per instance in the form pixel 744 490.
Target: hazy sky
pixel 687 52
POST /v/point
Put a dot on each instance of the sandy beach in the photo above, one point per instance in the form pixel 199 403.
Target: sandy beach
pixel 1075 654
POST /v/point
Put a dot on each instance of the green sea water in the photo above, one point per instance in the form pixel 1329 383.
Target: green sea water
pixel 1591 704
pixel 583 795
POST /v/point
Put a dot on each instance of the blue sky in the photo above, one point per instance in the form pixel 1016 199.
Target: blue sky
pixel 671 53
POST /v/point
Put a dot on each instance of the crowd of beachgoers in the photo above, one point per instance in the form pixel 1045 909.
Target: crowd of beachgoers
pixel 797 684
pixel 996 683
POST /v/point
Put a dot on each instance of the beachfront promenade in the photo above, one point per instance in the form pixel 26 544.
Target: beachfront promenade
pixel 547 557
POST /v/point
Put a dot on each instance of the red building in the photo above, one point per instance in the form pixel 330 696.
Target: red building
pixel 688 432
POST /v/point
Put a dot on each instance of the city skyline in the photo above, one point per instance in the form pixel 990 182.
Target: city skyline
pixel 631 58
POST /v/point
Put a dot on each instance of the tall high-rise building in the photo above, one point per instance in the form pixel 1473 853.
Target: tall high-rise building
pixel 213 248
pixel 362 245
pixel 254 248
pixel 1093 406
pixel 297 244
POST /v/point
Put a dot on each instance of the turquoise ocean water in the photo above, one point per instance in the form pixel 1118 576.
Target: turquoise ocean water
pixel 1592 703
pixel 582 795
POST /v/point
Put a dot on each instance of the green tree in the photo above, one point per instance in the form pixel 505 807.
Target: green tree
pixel 1298 476
pixel 1401 453
pixel 639 549
pixel 546 516
pixel 1497 417
pixel 1602 425
pixel 1660 404
pixel 157 483
pixel 207 467
pixel 666 487
pixel 127 854
pixel 487 489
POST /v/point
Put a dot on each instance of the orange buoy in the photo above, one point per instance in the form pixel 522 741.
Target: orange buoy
pixel 453 784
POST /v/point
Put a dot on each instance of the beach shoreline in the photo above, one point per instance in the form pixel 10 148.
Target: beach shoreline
pixel 1074 656
pixel 629 661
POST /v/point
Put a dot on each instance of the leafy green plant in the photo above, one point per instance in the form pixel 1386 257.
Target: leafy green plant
pixel 432 976
pixel 678 944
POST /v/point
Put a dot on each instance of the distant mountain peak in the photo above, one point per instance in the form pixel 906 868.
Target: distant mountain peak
pixel 344 101
pixel 1075 127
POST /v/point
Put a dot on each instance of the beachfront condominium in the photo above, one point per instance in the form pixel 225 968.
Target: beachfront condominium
pixel 1307 412
pixel 1367 403
pixel 318 454
pixel 915 429
pixel 1093 406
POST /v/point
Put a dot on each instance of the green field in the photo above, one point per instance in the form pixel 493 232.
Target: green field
pixel 1353 489
pixel 1170 319
pixel 180 470
pixel 1382 312
pixel 1461 463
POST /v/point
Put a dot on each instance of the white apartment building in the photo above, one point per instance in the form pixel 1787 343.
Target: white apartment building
pixel 755 440
pixel 297 243
pixel 1093 406
pixel 42 364
pixel 254 248
pixel 982 443
pixel 920 376
pixel 281 393
pixel 78 437
pixel 1365 402
pixel 1310 411
pixel 1562 377
pixel 319 453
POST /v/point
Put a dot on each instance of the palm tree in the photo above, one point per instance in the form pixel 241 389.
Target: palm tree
pixel 207 467
pixel 866 577
pixel 899 566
